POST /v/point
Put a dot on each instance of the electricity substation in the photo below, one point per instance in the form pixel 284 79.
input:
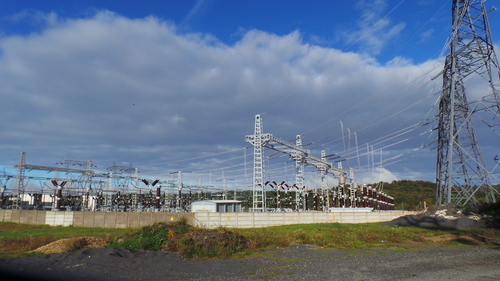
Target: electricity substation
pixel 463 177
pixel 122 189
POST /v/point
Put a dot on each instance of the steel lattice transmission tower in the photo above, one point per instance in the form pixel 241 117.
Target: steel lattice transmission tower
pixel 470 92
pixel 258 139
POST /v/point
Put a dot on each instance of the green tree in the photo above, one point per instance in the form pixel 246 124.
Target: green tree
pixel 409 195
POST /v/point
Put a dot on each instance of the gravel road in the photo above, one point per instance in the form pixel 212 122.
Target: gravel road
pixel 301 262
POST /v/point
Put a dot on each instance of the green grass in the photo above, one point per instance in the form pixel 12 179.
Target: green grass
pixel 18 231
pixel 287 260
pixel 272 275
pixel 192 242
pixel 151 237
pixel 357 236
pixel 18 239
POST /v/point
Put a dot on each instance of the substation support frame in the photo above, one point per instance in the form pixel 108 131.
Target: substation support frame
pixel 118 189
pixel 296 152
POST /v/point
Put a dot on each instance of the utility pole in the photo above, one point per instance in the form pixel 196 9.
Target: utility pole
pixel 461 172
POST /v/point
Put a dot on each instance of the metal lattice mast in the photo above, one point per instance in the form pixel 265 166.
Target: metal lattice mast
pixel 257 140
pixel 299 174
pixel 324 182
pixel 16 202
pixel 296 151
pixel 20 175
pixel 461 173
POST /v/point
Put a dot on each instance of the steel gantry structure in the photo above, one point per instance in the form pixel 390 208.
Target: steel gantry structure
pixel 461 173
pixel 296 152
pixel 84 189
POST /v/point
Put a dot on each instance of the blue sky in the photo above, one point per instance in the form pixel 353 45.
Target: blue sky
pixel 175 85
pixel 412 29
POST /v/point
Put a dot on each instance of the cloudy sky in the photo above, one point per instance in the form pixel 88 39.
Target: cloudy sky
pixel 175 85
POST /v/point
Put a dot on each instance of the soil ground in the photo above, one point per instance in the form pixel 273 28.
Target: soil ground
pixel 300 262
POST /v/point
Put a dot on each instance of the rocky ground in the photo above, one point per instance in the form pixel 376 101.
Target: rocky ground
pixel 448 217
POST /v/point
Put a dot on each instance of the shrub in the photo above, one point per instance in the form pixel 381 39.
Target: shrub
pixel 152 237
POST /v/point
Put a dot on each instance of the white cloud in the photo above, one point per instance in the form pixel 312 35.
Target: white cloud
pixel 195 10
pixel 109 88
pixel 34 17
pixel 374 29
pixel 379 174
pixel 424 36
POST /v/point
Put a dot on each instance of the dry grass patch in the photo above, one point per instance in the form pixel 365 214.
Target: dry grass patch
pixel 465 238
pixel 17 240
pixel 71 244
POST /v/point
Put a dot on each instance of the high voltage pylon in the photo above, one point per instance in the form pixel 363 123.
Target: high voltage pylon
pixel 462 176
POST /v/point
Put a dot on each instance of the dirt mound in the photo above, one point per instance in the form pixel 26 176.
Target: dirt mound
pixel 448 211
pixel 212 243
pixel 447 216
pixel 186 240
pixel 71 244
pixel 436 222
pixel 225 238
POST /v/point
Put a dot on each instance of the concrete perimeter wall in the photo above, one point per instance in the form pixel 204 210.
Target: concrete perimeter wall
pixel 249 220
pixel 201 219
pixel 91 219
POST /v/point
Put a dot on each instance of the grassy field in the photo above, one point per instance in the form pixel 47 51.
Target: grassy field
pixel 366 236
pixel 18 239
